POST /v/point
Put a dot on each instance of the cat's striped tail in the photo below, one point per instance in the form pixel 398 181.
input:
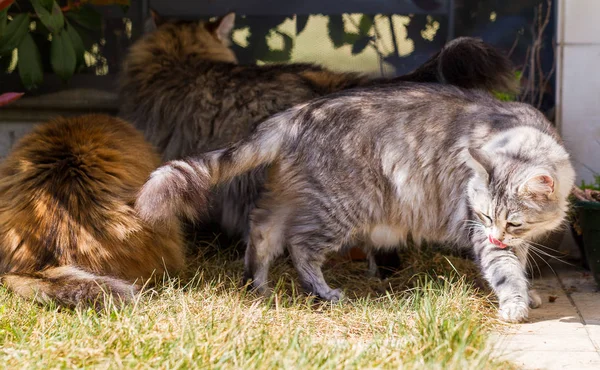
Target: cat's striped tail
pixel 180 188
pixel 70 286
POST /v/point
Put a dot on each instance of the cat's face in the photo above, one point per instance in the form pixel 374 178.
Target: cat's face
pixel 513 202
pixel 209 39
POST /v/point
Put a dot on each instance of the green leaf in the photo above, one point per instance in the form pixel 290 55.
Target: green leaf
pixel 47 4
pixel 30 63
pixel 507 96
pixel 3 20
pixel 53 20
pixel 62 55
pixel 351 38
pixel 281 55
pixel 301 21
pixel 360 45
pixel 88 38
pixel 86 17
pixel 77 44
pixel 366 22
pixel 14 33
pixel 5 63
pixel 335 28
pixel 288 43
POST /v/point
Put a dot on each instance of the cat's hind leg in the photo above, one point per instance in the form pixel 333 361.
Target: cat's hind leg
pixel 308 264
pixel 267 223
pixel 312 238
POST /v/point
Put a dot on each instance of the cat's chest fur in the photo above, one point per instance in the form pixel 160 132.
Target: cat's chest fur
pixel 386 235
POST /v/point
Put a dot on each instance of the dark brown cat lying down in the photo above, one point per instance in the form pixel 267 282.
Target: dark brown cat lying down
pixel 182 87
pixel 68 230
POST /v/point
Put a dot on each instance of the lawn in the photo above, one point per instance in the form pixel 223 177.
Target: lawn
pixel 428 315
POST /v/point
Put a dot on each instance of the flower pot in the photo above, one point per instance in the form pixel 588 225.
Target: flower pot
pixel 578 238
pixel 588 221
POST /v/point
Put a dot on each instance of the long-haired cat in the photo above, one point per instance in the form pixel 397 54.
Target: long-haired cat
pixel 435 163
pixel 182 87
pixel 68 229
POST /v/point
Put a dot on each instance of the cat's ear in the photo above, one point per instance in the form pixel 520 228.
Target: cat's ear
pixel 154 21
pixel 224 26
pixel 539 185
pixel 479 160
pixel 157 19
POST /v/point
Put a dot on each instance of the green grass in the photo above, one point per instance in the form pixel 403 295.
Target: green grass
pixel 428 315
pixel 594 185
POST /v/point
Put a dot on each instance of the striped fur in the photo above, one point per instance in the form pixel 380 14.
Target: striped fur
pixel 182 87
pixel 415 161
pixel 68 230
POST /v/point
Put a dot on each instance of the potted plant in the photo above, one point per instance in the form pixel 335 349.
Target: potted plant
pixel 585 224
pixel 48 34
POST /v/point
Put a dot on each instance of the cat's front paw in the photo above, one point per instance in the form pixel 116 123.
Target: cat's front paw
pixel 514 311
pixel 535 300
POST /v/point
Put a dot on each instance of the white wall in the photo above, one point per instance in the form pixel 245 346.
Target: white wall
pixel 578 83
pixel 19 118
pixel 10 133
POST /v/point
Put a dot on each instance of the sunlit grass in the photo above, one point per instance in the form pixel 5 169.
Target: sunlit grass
pixel 428 315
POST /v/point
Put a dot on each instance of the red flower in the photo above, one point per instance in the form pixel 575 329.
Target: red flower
pixel 9 97
pixel 5 4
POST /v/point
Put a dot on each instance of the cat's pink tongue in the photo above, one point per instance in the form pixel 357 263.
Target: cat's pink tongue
pixel 496 242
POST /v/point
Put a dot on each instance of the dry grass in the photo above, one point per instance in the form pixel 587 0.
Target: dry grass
pixel 428 315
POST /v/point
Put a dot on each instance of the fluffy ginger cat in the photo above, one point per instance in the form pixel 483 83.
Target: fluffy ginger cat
pixel 68 229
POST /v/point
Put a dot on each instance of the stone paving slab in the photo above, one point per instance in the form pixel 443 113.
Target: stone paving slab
pixel 562 334
pixel 556 360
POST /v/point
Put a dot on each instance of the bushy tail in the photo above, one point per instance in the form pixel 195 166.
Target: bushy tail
pixel 469 63
pixel 180 188
pixel 69 286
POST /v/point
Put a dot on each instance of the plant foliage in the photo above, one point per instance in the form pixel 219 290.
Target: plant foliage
pixel 35 27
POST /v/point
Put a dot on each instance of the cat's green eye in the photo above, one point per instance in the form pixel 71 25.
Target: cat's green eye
pixel 514 224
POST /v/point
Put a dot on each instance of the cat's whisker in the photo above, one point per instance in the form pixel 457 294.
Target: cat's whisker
pixel 540 245
pixel 529 262
pixel 540 257
pixel 542 252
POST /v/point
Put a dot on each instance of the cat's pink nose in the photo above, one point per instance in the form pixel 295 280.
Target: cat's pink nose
pixel 496 242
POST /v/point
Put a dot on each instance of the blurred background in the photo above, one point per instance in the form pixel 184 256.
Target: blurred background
pixel 554 45
pixel 384 37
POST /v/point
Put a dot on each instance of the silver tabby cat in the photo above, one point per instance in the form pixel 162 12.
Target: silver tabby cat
pixel 432 162
pixel 182 87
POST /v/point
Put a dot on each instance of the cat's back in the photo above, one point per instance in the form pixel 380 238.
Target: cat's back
pixel 415 120
pixel 426 108
pixel 186 93
pixel 79 151
pixel 405 107
pixel 161 79
pixel 67 188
